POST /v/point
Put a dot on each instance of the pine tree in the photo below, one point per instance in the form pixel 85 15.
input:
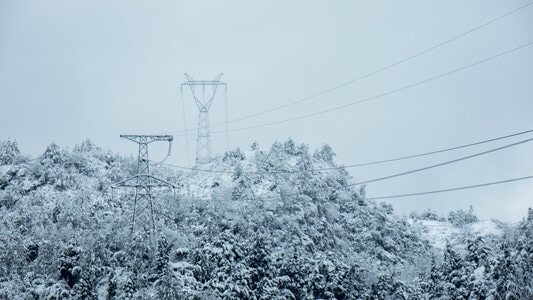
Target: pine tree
pixel 165 284
pixel 129 287
pixel 69 269
pixel 452 274
pixel 52 155
pixel 83 290
pixel 354 281
pixel 477 264
pixel 503 275
pixel 9 151
pixel 325 154
pixel 259 261
pixel 461 218
pixel 111 287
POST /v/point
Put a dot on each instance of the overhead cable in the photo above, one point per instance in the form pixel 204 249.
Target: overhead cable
pixel 442 164
pixel 450 189
pixel 362 164
pixel 380 197
pixel 371 73
pixel 380 95
pixel 379 70
pixel 438 151
pixel 376 96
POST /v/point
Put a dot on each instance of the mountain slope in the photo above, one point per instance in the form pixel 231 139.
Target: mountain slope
pixel 276 224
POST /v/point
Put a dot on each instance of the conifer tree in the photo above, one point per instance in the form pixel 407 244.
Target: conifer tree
pixel 165 284
pixel 69 269
pixel 111 287
pixel 9 151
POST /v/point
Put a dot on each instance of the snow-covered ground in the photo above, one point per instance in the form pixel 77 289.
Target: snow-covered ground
pixel 487 228
pixel 438 232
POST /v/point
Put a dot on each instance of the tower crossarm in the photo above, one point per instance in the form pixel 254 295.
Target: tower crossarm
pixel 146 139
pixel 133 182
pixel 203 104
pixel 190 81
pixel 203 82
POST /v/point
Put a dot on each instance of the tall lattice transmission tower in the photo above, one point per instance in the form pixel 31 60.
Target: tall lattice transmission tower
pixel 143 219
pixel 203 142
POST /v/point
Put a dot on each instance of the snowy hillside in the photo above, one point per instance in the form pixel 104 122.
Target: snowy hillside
pixel 282 223
pixel 441 232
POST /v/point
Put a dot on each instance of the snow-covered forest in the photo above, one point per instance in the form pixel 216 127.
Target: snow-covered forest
pixel 282 223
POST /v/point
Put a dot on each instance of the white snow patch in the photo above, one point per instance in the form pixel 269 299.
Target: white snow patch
pixel 438 233
pixel 485 228
pixel 479 273
pixel 181 265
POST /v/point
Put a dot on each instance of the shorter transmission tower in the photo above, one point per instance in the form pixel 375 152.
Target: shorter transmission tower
pixel 203 142
pixel 143 218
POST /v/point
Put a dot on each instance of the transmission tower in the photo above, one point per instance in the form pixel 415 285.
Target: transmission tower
pixel 203 142
pixel 143 218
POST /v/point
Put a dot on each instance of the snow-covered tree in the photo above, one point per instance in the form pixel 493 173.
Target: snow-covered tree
pixel 276 224
pixel 460 218
pixel 166 283
pixel 9 151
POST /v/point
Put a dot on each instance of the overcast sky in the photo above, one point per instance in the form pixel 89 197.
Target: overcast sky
pixel 71 70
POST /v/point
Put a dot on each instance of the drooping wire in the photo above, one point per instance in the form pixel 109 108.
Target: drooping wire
pixel 373 72
pixel 381 69
pixel 186 125
pixel 379 197
pixel 227 116
pixel 438 151
pixel 166 157
pixel 379 95
pixel 450 189
pixel 442 164
pixel 362 164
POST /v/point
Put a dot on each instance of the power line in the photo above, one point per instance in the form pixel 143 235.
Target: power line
pixel 379 70
pixel 442 164
pixel 438 151
pixel 371 73
pixel 450 189
pixel 381 95
pixel 362 164
pixel 381 197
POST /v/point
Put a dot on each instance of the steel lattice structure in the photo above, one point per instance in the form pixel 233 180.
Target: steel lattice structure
pixel 203 142
pixel 143 218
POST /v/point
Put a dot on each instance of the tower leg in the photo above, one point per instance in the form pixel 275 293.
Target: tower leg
pixel 203 144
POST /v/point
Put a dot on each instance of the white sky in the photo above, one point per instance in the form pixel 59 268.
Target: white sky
pixel 76 69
